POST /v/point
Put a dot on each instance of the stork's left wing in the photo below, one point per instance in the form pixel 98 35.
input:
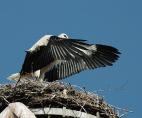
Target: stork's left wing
pixel 65 69
pixel 56 49
pixel 76 54
pixel 66 49
pixel 100 56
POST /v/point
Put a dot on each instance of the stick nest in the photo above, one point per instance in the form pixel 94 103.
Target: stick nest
pixel 37 94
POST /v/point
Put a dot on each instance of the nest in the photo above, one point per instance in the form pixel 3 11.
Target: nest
pixel 37 94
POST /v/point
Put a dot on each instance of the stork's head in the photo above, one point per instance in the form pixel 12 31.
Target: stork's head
pixel 63 35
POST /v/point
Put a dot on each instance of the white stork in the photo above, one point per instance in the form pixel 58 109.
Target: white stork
pixel 57 57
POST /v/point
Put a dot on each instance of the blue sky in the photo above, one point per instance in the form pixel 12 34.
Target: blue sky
pixel 111 22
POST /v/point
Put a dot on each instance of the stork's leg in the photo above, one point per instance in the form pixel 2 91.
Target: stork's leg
pixel 17 81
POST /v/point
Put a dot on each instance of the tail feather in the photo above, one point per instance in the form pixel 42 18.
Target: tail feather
pixel 14 76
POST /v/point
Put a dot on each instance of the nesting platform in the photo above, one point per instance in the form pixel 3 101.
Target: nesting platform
pixel 56 98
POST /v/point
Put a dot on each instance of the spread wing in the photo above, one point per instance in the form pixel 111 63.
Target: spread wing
pixel 65 69
pixel 56 49
pixel 101 56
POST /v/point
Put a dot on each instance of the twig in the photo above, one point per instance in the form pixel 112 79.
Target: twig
pixel 7 102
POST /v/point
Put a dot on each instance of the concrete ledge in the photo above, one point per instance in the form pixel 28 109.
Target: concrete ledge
pixel 62 112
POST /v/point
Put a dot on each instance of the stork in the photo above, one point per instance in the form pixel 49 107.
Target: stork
pixel 57 57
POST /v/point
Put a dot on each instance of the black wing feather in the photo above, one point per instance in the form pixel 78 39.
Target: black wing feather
pixel 101 57
pixel 65 69
pixel 56 49
pixel 75 60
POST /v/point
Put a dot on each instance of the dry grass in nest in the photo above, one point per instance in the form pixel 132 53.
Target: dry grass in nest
pixel 37 94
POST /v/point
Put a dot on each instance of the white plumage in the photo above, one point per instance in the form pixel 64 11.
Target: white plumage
pixel 42 42
pixel 57 57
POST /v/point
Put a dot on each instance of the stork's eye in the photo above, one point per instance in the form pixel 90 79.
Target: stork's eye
pixel 65 36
